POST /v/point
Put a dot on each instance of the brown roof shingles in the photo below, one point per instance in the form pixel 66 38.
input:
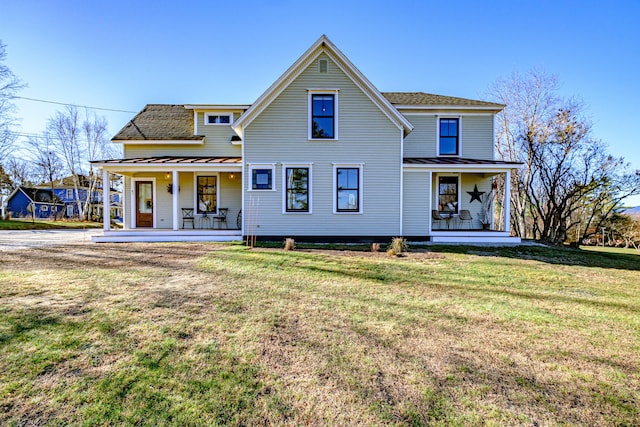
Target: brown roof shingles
pixel 174 122
pixel 428 99
pixel 159 122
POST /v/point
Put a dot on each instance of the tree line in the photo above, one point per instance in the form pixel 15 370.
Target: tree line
pixel 568 186
pixel 71 139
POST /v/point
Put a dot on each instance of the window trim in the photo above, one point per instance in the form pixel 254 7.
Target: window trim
pixel 196 202
pixel 458 190
pixel 207 115
pixel 69 194
pixel 255 166
pixel 310 93
pixel 459 144
pixel 359 166
pixel 308 166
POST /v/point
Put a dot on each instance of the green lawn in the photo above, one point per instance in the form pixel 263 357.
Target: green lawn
pixel 205 334
pixel 38 224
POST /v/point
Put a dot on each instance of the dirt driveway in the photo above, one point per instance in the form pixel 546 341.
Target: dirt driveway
pixel 11 240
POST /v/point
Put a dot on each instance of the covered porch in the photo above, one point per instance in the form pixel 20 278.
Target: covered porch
pixel 459 201
pixel 176 199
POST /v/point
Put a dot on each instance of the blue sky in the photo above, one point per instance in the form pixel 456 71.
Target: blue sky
pixel 125 54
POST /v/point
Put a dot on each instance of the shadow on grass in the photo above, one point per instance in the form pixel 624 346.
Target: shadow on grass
pixel 549 255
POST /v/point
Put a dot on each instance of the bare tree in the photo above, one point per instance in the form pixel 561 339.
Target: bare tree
pixel 9 85
pixel 97 148
pixel 530 101
pixel 20 172
pixel 568 183
pixel 77 143
pixel 48 166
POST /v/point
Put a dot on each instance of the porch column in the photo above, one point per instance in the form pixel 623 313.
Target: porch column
pixel 176 199
pixel 106 204
pixel 430 178
pixel 507 202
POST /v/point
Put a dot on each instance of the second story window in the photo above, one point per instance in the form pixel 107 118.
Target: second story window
pixel 323 116
pixel 449 143
pixel 218 118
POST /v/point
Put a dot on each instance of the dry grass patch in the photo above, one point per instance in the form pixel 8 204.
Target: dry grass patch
pixel 205 334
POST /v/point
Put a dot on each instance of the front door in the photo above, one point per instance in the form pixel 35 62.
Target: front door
pixel 144 204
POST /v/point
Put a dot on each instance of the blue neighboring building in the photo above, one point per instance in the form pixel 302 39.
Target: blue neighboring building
pixel 43 202
pixel 63 200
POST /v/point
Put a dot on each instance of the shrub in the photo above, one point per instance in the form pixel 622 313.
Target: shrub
pixel 289 244
pixel 398 246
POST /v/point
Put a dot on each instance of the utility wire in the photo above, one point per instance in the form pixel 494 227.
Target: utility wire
pixel 72 105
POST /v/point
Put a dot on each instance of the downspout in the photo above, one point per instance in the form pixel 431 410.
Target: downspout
pixel 401 179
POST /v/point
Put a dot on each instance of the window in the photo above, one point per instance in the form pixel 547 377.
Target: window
pixel 69 193
pixel 323 118
pixel 218 118
pixel 348 190
pixel 448 194
pixel 262 179
pixel 297 189
pixel 44 208
pixel 207 190
pixel 449 141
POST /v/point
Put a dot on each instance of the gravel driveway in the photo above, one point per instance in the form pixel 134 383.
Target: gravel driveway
pixel 11 240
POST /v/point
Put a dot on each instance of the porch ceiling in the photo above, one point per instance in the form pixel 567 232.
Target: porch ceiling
pixel 169 163
pixel 449 164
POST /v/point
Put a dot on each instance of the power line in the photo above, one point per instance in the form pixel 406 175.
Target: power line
pixel 72 105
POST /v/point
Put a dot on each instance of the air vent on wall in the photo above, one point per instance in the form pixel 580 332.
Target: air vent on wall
pixel 322 66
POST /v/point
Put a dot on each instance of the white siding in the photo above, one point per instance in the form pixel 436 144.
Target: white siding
pixel 476 136
pixel 416 211
pixel 280 135
pixel 421 142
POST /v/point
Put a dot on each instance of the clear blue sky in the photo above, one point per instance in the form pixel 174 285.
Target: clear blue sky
pixel 125 54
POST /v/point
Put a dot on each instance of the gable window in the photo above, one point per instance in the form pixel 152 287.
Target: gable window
pixel 69 193
pixel 297 189
pixel 323 115
pixel 448 194
pixel 262 177
pixel 449 144
pixel 347 188
pixel 207 193
pixel 218 118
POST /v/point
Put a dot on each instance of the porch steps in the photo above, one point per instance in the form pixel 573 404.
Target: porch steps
pixel 126 236
pixel 472 237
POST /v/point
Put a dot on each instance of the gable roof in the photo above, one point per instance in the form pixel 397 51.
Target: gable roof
pixel 166 122
pixel 421 99
pixel 37 195
pixel 322 45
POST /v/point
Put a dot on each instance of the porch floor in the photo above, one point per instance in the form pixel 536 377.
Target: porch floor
pixel 473 236
pixel 160 235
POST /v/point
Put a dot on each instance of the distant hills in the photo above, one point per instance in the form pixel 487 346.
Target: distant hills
pixel 632 211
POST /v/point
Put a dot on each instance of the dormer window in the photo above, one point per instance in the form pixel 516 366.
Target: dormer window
pixel 449 140
pixel 323 115
pixel 218 118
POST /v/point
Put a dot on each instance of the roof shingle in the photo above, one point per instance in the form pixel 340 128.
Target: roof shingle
pixel 159 122
pixel 421 98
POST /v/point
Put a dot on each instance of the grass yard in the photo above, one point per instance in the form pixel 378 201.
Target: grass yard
pixel 206 334
pixel 40 224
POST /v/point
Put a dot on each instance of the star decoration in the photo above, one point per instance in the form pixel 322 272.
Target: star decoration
pixel 475 194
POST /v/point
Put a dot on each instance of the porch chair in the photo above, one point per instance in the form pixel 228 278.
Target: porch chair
pixel 465 215
pixel 436 217
pixel 221 217
pixel 187 216
pixel 239 220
